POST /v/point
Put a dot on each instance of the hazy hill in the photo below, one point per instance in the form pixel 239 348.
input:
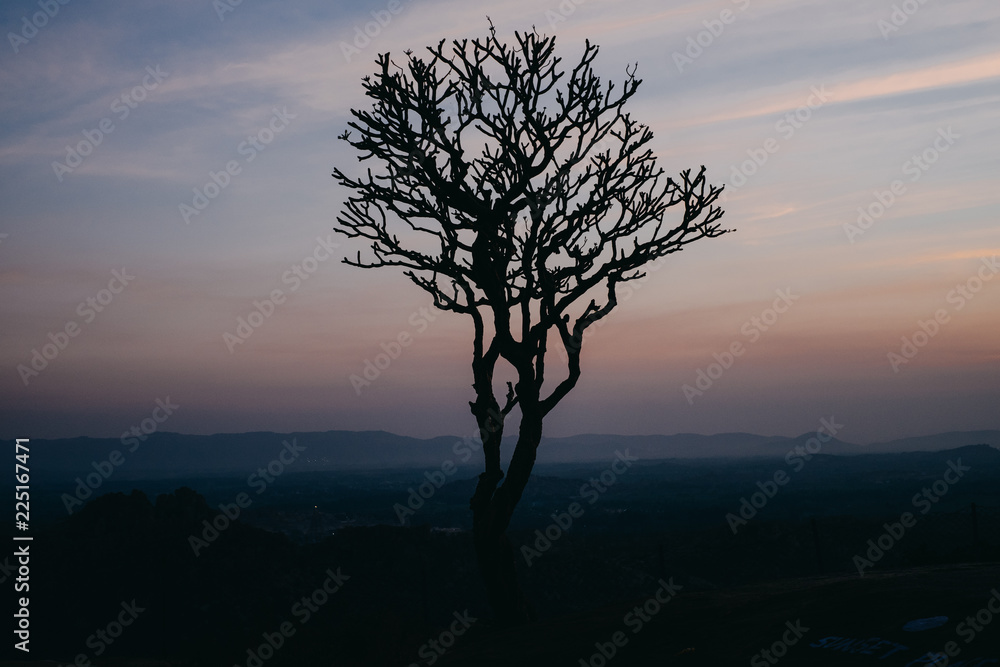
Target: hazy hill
pixel 681 445
pixel 932 443
pixel 177 455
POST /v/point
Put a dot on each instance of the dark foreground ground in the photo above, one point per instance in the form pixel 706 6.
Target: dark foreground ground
pixel 319 571
pixel 810 621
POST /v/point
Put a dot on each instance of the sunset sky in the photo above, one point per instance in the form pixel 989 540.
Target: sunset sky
pixel 844 103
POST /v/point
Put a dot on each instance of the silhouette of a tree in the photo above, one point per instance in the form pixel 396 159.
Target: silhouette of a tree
pixel 524 205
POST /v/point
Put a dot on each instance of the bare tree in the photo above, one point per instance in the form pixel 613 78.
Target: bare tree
pixel 524 205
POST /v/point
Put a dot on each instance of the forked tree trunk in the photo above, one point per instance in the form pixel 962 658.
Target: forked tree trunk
pixel 492 508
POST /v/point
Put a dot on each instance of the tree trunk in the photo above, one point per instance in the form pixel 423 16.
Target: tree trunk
pixel 492 508
pixel 495 556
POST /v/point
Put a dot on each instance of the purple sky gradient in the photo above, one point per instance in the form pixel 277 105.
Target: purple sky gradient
pixel 881 96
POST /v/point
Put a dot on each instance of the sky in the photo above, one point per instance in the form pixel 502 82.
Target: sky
pixel 165 171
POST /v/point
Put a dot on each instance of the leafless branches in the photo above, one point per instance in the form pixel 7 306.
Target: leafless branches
pixel 511 190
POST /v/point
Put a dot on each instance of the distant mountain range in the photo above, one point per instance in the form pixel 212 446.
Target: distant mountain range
pixel 169 455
